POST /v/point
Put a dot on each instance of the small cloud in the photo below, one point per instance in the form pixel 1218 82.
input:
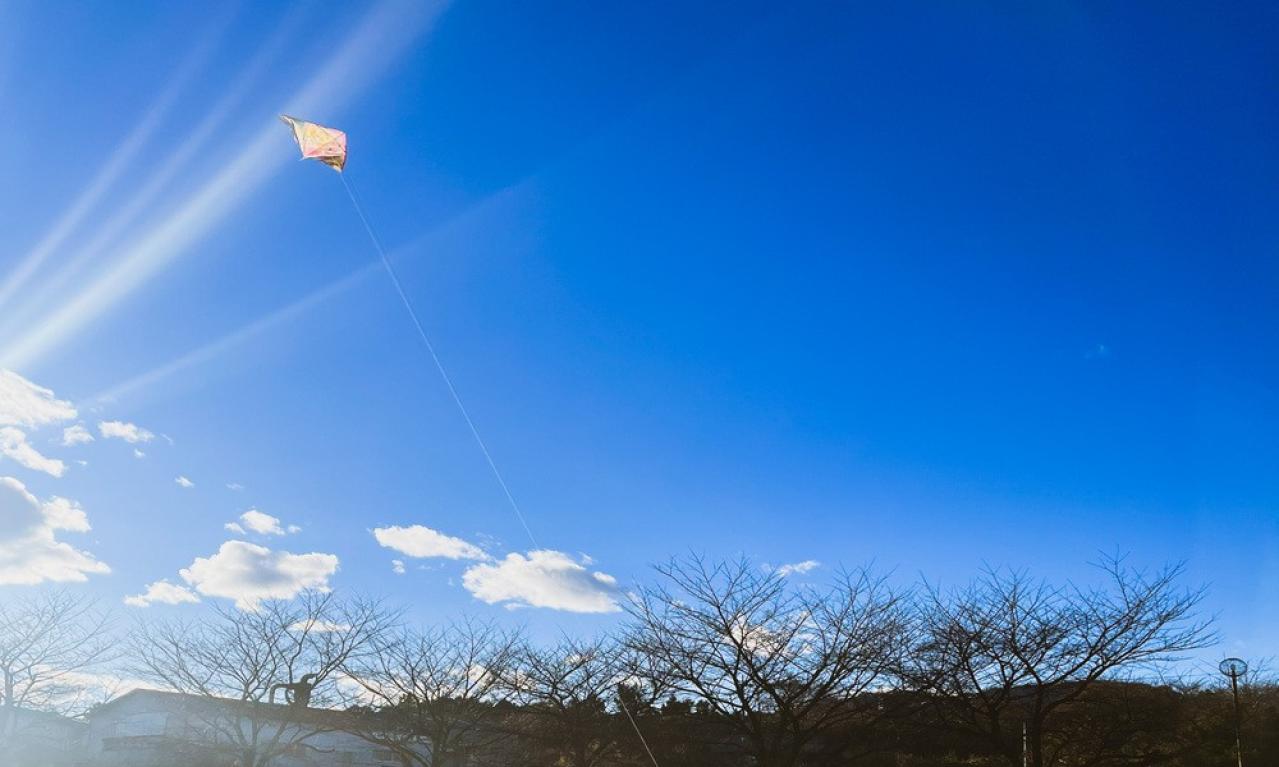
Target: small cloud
pixel 234 527
pixel 76 435
pixel 163 592
pixel 397 566
pixel 320 627
pixel 184 482
pixel 1100 351
pixel 420 542
pixel 260 523
pixel 14 445
pixel 129 432
pixel 236 486
pixel 138 453
pixel 543 578
pixel 293 529
pixel 798 568
pixel 263 524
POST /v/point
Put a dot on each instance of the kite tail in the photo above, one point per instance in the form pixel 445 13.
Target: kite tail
pixel 448 382
pixel 430 348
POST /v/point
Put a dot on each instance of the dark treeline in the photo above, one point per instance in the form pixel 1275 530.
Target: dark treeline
pixel 728 663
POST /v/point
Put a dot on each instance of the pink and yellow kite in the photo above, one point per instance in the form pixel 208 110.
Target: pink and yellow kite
pixel 328 145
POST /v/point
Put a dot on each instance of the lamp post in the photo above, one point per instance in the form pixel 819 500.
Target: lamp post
pixel 1235 668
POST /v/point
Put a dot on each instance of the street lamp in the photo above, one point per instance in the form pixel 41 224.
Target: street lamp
pixel 1235 668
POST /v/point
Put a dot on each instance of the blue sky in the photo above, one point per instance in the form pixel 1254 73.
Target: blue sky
pixel 928 287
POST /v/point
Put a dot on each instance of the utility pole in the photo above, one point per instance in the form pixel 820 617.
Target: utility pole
pixel 1234 668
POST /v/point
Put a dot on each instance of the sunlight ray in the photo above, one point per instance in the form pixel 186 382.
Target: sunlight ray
pixel 226 343
pixel 117 162
pixel 43 295
pixel 385 32
pixel 217 348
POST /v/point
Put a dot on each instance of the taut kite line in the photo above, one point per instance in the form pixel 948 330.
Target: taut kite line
pixel 328 145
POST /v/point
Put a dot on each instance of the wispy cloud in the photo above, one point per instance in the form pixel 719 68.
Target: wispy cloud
pixel 184 482
pixel 798 568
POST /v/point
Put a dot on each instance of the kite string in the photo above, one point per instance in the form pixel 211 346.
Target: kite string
pixel 448 382
pixel 430 348
pixel 635 726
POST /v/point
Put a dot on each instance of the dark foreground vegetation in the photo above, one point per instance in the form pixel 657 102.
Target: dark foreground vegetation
pixel 717 664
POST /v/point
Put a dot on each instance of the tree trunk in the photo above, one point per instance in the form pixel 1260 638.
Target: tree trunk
pixel 9 713
pixel 1035 746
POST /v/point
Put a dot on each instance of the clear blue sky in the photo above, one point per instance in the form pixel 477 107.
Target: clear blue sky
pixel 932 286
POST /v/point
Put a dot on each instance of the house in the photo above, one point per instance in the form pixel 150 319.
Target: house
pixel 149 727
pixel 40 738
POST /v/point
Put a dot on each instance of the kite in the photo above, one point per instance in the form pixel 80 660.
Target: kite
pixel 328 145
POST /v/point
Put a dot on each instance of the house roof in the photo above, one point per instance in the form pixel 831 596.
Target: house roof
pixel 282 712
pixel 31 714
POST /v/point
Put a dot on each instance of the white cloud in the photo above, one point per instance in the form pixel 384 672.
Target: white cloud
pixel 320 627
pixel 420 542
pixel 23 403
pixel 260 523
pixel 129 432
pixel 14 445
pixel 543 578
pixel 66 514
pixel 799 568
pixel 263 524
pixel 248 573
pixel 76 435
pixel 184 482
pixel 29 550
pixel 138 453
pixel 236 486
pixel 163 592
pixel 397 566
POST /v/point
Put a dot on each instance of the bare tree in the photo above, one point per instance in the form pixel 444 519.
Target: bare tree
pixel 434 691
pixel 47 644
pixel 237 661
pixel 790 669
pixel 563 695
pixel 1009 652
